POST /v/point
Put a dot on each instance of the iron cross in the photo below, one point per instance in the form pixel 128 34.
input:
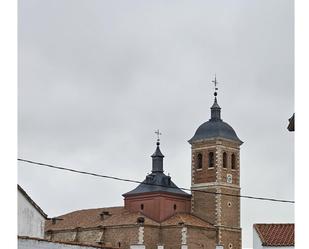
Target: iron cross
pixel 158 134
pixel 215 82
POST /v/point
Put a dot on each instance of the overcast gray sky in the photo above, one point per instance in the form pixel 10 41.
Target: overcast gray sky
pixel 96 78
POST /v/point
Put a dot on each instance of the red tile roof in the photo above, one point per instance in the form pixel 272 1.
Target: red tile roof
pixel 90 218
pixel 187 219
pixel 275 234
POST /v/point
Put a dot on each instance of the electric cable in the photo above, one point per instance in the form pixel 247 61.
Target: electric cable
pixel 135 181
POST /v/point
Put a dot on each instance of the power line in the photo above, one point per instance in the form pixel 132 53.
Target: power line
pixel 135 181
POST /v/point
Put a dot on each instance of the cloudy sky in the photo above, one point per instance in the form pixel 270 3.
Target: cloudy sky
pixel 96 78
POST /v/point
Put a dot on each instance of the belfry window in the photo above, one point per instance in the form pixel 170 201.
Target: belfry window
pixel 199 164
pixel 211 160
pixel 224 159
pixel 233 161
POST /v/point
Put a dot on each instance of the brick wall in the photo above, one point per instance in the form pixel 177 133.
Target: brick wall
pixel 204 205
pixel 201 238
pixel 230 238
pixel 158 206
pixel 169 236
pixel 221 210
pixel 230 208
pixel 152 237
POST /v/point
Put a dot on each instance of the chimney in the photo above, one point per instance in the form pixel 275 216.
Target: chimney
pixel 54 220
pixel 140 220
pixel 104 215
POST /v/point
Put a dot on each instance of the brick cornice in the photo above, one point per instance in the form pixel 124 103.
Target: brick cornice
pixel 233 229
pixel 214 185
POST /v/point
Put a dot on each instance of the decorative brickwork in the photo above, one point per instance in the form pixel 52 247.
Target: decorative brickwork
pixel 221 210
pixel 158 213
pixel 123 228
pixel 158 206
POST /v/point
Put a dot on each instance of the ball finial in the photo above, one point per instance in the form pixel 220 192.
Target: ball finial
pixel 215 84
pixel 158 136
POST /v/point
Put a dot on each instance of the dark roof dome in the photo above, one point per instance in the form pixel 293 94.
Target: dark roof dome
pixel 215 127
pixel 157 181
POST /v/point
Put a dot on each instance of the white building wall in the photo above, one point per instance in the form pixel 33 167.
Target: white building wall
pixel 137 246
pixel 30 221
pixel 37 244
pixel 257 243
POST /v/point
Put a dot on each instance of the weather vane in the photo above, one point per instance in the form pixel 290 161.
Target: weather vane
pixel 215 83
pixel 158 134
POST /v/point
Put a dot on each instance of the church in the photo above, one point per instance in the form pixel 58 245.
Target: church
pixel 159 215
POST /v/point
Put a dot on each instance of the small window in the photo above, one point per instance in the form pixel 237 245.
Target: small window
pixel 224 160
pixel 175 206
pixel 211 160
pixel 199 161
pixel 233 161
pixel 142 206
pixel 169 180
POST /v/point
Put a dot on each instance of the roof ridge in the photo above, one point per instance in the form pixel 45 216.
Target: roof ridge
pixel 182 220
pixel 274 224
pixel 36 206
pixel 139 212
pixel 179 215
pixel 259 233
pixel 202 219
pixel 275 234
pixel 88 209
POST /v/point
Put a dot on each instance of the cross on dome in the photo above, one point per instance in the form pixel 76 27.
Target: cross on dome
pixel 215 83
pixel 158 135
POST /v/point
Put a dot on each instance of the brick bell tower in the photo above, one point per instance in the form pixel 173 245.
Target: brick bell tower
pixel 216 168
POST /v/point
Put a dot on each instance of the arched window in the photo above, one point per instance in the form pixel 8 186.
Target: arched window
pixel 199 161
pixel 224 160
pixel 175 206
pixel 233 161
pixel 211 160
pixel 142 206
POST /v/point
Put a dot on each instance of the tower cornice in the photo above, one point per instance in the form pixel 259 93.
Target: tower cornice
pixel 214 185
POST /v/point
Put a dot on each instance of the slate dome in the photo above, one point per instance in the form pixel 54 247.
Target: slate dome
pixel 215 127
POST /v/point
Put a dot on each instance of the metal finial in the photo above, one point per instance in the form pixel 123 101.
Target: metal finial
pixel 158 135
pixel 215 83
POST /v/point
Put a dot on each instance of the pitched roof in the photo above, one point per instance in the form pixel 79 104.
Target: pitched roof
pixel 63 242
pixel 186 219
pixel 91 218
pixel 36 206
pixel 157 182
pixel 275 234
